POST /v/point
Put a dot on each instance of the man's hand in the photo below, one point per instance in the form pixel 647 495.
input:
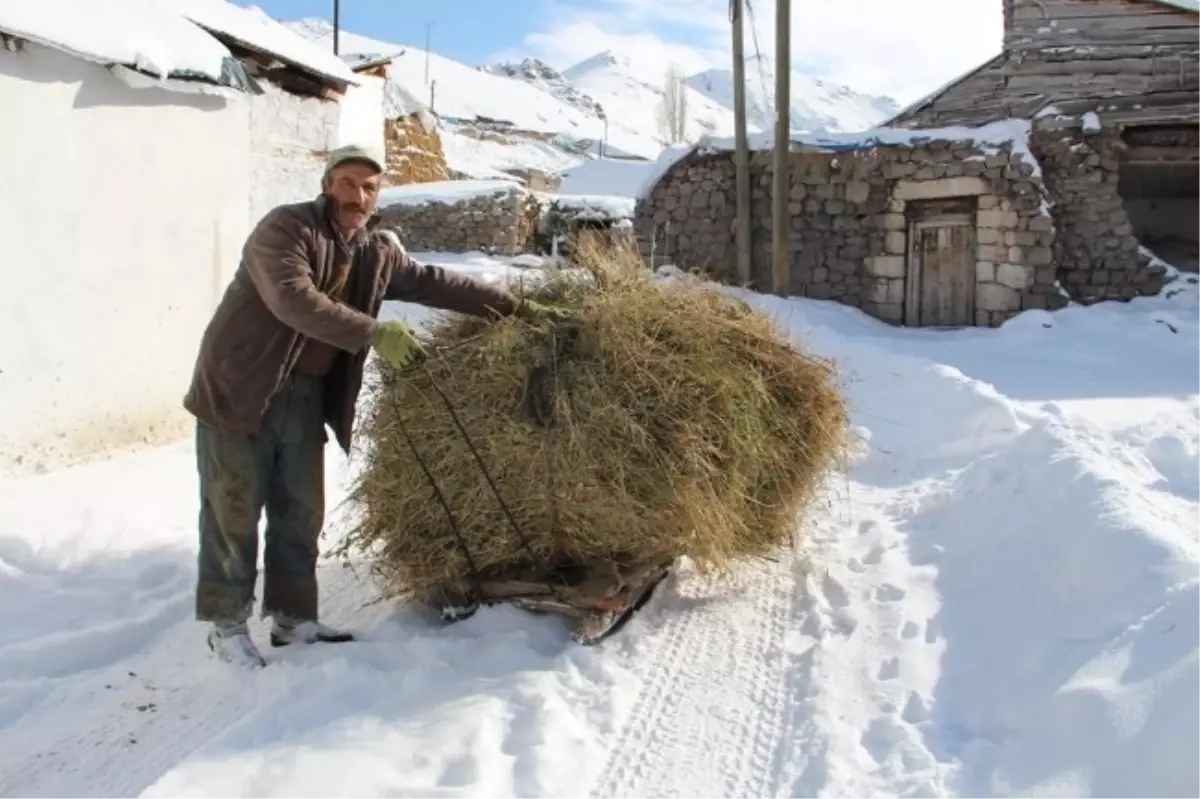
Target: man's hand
pixel 396 343
pixel 537 312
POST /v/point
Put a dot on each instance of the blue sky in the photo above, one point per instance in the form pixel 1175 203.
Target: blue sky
pixel 466 30
pixel 902 48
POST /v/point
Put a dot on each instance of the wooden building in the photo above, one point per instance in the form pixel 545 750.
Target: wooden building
pixel 1128 67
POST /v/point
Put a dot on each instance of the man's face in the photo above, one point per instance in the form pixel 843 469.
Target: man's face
pixel 355 191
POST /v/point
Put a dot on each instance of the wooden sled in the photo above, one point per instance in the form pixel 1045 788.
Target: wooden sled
pixel 596 601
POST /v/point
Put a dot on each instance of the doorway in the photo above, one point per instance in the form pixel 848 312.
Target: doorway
pixel 940 289
pixel 1159 184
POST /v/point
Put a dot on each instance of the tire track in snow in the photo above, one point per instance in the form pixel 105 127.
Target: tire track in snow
pixel 709 714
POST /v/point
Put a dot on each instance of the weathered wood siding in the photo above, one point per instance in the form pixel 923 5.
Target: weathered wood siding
pixel 1135 60
pixel 1041 24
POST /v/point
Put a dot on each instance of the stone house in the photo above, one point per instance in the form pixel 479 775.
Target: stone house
pixel 144 160
pixel 1112 87
pixel 948 229
pixel 1024 184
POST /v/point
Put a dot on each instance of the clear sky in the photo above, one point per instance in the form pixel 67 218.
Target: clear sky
pixel 903 48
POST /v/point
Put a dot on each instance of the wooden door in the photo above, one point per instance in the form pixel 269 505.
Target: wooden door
pixel 941 271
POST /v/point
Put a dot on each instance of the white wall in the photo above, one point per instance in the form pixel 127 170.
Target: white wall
pixel 362 114
pixel 289 136
pixel 121 219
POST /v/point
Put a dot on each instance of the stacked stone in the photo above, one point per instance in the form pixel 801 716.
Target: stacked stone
pixel 492 223
pixel 1095 250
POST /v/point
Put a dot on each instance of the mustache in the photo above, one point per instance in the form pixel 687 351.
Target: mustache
pixel 361 209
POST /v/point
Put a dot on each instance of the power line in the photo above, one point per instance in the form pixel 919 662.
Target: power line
pixel 762 76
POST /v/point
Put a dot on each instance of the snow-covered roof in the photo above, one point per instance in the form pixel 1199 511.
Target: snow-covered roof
pixel 146 35
pixel 254 29
pixel 1011 132
pixel 594 206
pixel 447 192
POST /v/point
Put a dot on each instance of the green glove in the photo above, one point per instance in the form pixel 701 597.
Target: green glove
pixel 537 312
pixel 396 343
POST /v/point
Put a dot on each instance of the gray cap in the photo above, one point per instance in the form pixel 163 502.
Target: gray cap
pixel 353 152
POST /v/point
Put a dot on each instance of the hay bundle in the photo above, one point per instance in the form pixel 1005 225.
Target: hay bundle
pixel 662 421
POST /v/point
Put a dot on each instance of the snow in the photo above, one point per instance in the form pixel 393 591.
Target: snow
pixel 606 176
pixel 460 91
pixel 817 106
pixel 999 596
pixel 1091 122
pixel 144 34
pixel 595 206
pixel 1010 132
pixel 446 192
pixel 485 158
pixel 254 27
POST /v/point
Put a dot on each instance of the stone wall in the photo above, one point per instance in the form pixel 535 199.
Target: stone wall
pixel 849 218
pixel 414 151
pixel 1095 251
pixel 500 220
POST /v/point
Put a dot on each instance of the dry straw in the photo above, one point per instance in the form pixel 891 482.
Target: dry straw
pixel 662 421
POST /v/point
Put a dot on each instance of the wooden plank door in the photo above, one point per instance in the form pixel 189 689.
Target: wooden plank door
pixel 941 272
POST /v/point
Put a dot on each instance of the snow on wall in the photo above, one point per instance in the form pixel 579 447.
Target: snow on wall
pixel 127 226
pixel 361 114
pixel 289 136
pixel 1014 132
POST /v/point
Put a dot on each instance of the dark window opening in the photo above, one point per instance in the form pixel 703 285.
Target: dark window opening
pixel 1160 187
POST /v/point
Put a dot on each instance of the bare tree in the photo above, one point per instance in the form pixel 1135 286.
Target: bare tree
pixel 673 114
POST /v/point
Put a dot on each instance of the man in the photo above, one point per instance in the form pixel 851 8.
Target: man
pixel 282 357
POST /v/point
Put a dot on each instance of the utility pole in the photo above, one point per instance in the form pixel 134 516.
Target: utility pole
pixel 337 15
pixel 741 153
pixel 780 262
pixel 428 29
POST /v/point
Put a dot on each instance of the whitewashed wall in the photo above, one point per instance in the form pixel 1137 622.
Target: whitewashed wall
pixel 289 136
pixel 122 218
pixel 362 114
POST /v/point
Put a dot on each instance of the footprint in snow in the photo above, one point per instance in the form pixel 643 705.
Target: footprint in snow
pixel 889 593
pixel 889 669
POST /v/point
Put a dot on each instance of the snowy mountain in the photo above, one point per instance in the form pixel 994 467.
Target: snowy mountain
pixel 552 120
pixel 538 73
pixel 817 105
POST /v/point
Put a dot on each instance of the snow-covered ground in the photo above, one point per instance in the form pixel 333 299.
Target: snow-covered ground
pixel 999 597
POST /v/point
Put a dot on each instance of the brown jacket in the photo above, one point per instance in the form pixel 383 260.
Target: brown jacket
pixel 276 301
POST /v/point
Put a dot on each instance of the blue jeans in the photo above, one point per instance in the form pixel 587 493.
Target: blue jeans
pixel 280 469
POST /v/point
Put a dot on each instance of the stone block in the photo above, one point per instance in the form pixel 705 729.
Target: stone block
pixel 877 290
pixel 996 297
pixel 857 191
pixel 896 291
pixel 1004 220
pixel 989 235
pixel 985 272
pixel 988 201
pixel 1039 256
pixel 1014 276
pixel 991 252
pixel 893 221
pixel 934 189
pixel 895 242
pixel 1016 255
pixel 890 266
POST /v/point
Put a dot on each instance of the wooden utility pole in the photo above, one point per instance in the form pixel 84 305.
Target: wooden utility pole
pixel 780 262
pixel 337 13
pixel 741 153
